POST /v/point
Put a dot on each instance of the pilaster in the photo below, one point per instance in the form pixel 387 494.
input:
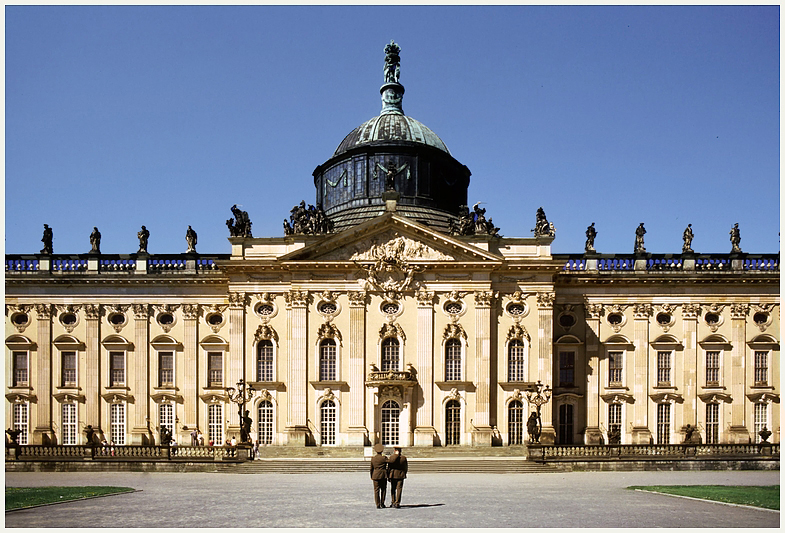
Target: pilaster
pixel 641 433
pixel 296 308
pixel 235 366
pixel 593 435
pixel 190 365
pixel 690 327
pixel 140 427
pixel 42 432
pixel 358 432
pixel 545 359
pixel 92 380
pixel 739 433
pixel 424 432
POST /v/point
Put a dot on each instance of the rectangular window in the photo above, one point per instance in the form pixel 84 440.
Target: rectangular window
pixel 761 368
pixel 712 423
pixel 69 424
pixel 567 369
pixel 165 369
pixel 327 360
pixel 116 368
pixel 264 368
pixel 20 378
pixel 566 428
pixel 663 368
pixel 215 428
pixel 69 369
pixel 166 417
pixel 761 419
pixel 215 370
pixel 712 369
pixel 452 360
pixel 615 368
pixel 20 421
pixel 516 361
pixel 663 423
pixel 117 424
pixel 614 423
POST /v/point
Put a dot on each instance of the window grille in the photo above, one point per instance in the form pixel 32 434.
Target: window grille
pixel 215 428
pixel 515 422
pixel 712 423
pixel 117 424
pixel 761 419
pixel 20 369
pixel 516 360
pixel 663 368
pixel 69 368
pixel 327 360
pixel 328 422
pixel 116 368
pixel 761 368
pixel 615 368
pixel 264 361
pixel 566 427
pixel 614 419
pixel 712 368
pixel 166 369
pixel 452 360
pixel 166 417
pixel 391 413
pixel 566 369
pixel 663 423
pixel 265 425
pixel 215 368
pixel 69 424
pixel 390 354
pixel 453 422
pixel 21 421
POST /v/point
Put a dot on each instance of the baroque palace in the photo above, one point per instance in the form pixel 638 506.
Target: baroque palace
pixel 394 313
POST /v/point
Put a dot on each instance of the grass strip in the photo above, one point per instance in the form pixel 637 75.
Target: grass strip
pixel 767 497
pixel 21 497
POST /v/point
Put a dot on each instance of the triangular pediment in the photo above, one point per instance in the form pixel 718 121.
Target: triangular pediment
pixel 391 236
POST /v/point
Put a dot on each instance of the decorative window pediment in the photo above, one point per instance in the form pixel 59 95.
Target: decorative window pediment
pixel 165 342
pixel 518 332
pixel 329 331
pixel 454 331
pixel 392 330
pixel 116 342
pixel 19 342
pixel 265 333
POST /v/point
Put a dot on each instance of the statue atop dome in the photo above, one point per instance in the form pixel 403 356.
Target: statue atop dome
pixel 392 63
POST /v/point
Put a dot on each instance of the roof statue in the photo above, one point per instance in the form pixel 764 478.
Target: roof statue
pixel 640 231
pixel 95 241
pixel 392 63
pixel 307 221
pixel 240 225
pixel 735 239
pixel 473 222
pixel 687 237
pixel 591 234
pixel 542 227
pixel 47 240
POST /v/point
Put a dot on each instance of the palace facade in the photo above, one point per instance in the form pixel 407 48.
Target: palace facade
pixel 393 313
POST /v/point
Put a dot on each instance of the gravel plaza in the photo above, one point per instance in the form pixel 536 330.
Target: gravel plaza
pixel 339 500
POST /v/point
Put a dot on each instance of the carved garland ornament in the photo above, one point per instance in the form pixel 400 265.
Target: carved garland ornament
pixel 690 310
pixel 358 298
pixel 191 311
pixel 236 300
pixel 593 310
pixel 92 311
pixel 140 311
pixel 642 310
pixel 739 311
pixel 424 298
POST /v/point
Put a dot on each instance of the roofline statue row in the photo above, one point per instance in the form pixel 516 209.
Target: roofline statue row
pixel 95 240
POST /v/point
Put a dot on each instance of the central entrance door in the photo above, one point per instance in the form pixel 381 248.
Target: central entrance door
pixel 391 426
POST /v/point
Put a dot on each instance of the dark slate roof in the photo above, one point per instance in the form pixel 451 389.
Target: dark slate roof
pixel 391 127
pixel 434 218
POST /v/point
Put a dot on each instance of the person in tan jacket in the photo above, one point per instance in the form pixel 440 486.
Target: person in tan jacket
pixel 398 467
pixel 379 476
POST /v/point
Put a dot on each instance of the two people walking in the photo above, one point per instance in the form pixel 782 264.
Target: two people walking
pixel 383 469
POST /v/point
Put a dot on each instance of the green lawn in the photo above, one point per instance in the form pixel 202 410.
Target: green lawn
pixel 17 497
pixel 767 497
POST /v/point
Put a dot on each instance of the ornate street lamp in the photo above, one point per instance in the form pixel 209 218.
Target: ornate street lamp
pixel 241 395
pixel 538 395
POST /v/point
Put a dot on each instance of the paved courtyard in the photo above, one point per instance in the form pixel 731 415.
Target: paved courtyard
pixel 596 499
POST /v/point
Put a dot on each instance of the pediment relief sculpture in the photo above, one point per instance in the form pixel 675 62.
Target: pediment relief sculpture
pixel 388 245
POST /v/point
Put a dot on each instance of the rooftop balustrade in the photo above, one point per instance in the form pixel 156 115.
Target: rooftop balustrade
pixel 669 263
pixel 112 264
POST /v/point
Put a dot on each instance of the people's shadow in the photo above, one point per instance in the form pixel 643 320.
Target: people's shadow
pixel 423 505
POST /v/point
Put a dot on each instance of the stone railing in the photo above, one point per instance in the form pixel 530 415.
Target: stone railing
pixel 121 453
pixel 111 264
pixel 633 452
pixel 670 262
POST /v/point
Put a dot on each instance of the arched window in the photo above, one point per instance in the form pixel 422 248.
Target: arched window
pixel 117 424
pixel 69 424
pixel 391 354
pixel 515 422
pixel 516 361
pixel 391 414
pixel 264 361
pixel 452 417
pixel 215 426
pixel 166 417
pixel 21 420
pixel 265 423
pixel 452 360
pixel 328 422
pixel 327 360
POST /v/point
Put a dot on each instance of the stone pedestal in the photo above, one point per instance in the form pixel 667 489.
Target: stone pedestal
pixel 641 435
pixel 739 435
pixel 548 435
pixel 482 436
pixel 357 436
pixel 424 436
pixel 296 436
pixel 592 436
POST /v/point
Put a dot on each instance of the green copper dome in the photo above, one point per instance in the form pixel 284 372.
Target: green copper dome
pixel 391 128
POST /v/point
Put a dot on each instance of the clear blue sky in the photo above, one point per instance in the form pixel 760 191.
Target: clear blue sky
pixel 166 116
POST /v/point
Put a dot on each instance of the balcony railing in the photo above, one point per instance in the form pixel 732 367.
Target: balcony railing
pixel 390 377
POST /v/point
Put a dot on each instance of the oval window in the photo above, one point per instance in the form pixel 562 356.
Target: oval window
pixel 215 319
pixel 68 319
pixel 165 319
pixel 264 309
pixel 328 308
pixel 117 319
pixel 516 309
pixel 20 319
pixel 664 318
pixel 712 318
pixel 453 308
pixel 760 318
pixel 567 321
pixel 390 308
pixel 615 319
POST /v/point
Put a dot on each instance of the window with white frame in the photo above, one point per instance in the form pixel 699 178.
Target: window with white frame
pixel 391 414
pixel 68 369
pixel 515 422
pixel 663 368
pixel 20 375
pixel 452 360
pixel 69 424
pixel 712 423
pixel 117 424
pixel 761 419
pixel 516 360
pixel 452 417
pixel 215 369
pixel 663 423
pixel 566 369
pixel 165 369
pixel 327 360
pixel 761 367
pixel 264 361
pixel 615 368
pixel 391 354
pixel 116 368
pixel 21 421
pixel 614 422
pixel 265 424
pixel 166 417
pixel 215 424
pixel 712 368
pixel 328 422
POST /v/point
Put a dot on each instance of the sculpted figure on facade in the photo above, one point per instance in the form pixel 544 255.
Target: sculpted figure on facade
pixel 240 225
pixel 307 221
pixel 591 234
pixel 47 240
pixel 144 236
pixel 543 228
pixel 687 237
pixel 639 233
pixel 735 239
pixel 392 63
pixel 190 238
pixel 473 223
pixel 95 241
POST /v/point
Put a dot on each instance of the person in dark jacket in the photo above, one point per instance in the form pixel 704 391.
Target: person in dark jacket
pixel 379 476
pixel 398 467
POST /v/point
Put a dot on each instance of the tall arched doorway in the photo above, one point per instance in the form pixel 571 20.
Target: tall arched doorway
pixel 391 426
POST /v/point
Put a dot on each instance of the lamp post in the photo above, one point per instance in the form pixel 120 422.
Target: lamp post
pixel 240 395
pixel 538 395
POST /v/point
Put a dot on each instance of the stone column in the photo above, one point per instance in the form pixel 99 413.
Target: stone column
pixel 424 432
pixel 545 360
pixel 641 433
pixel 190 392
pixel 689 316
pixel 358 432
pixel 42 431
pixel 236 364
pixel 92 366
pixel 739 433
pixel 482 432
pixel 296 388
pixel 593 435
pixel 140 427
